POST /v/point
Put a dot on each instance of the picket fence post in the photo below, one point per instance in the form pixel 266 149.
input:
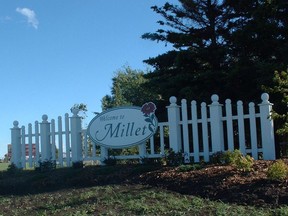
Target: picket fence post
pixel 174 125
pixel 16 145
pixel 103 154
pixel 267 128
pixel 142 150
pixel 76 140
pixel 216 124
pixel 45 139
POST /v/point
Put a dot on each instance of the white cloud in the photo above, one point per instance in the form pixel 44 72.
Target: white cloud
pixel 30 15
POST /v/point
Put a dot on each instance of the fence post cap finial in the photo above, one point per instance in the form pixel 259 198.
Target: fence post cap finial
pixel 239 103
pixel 228 101
pixel 265 97
pixel 173 100
pixel 44 118
pixel 15 123
pixel 251 104
pixel 215 99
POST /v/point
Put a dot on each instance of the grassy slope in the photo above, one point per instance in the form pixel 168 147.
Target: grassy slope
pixel 103 191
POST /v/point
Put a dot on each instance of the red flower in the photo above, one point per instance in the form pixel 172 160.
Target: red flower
pixel 148 108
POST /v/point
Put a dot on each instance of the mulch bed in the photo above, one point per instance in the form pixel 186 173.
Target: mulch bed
pixel 224 183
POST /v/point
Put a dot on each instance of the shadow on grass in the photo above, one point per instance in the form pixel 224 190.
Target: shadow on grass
pixel 34 182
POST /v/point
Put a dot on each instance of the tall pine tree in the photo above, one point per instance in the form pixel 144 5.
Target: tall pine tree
pixel 229 47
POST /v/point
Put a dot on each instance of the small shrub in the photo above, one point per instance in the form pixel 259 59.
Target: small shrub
pixel 110 161
pixel 237 159
pixel 189 167
pixel 46 166
pixel 218 158
pixel 77 165
pixel 12 169
pixel 278 171
pixel 227 157
pixel 173 159
pixel 244 163
pixel 234 158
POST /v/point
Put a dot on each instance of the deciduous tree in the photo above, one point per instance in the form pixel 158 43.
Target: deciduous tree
pixel 128 89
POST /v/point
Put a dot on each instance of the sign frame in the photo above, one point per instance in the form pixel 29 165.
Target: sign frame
pixel 147 111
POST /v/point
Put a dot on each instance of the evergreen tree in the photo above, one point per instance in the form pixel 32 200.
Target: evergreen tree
pixel 195 30
pixel 280 92
pixel 257 45
pixel 229 47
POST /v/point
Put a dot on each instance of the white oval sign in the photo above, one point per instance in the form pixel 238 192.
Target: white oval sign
pixel 124 126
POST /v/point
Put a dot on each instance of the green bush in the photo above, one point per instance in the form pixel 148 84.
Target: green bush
pixel 12 169
pixel 244 163
pixel 221 157
pixel 227 157
pixel 189 167
pixel 278 171
pixel 173 159
pixel 77 165
pixel 46 166
pixel 234 158
pixel 110 161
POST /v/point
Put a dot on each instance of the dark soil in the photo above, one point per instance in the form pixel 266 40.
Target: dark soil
pixel 224 183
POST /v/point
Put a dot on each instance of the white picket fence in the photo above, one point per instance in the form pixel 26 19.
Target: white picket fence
pixel 196 132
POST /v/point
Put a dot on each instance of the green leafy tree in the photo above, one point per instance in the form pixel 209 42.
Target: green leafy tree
pixel 128 89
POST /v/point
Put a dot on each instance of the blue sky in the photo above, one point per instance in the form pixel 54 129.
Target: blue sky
pixel 55 53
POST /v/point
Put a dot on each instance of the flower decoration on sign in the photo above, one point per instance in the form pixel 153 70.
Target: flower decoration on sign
pixel 148 109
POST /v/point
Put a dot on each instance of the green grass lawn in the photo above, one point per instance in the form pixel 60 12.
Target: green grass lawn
pixel 102 191
pixel 121 200
pixel 3 166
